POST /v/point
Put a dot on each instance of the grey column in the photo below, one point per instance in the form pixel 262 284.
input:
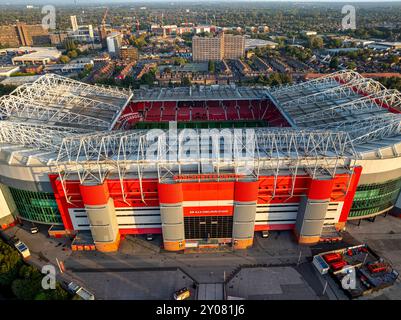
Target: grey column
pixel 310 219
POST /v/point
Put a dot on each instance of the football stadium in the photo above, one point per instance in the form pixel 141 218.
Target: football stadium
pixel 200 165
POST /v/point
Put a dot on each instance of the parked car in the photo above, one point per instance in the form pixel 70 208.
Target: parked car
pixel 22 249
pixel 80 291
pixel 34 230
pixel 182 294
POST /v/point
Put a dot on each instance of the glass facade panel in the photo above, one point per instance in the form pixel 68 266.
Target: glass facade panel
pixel 373 198
pixel 36 206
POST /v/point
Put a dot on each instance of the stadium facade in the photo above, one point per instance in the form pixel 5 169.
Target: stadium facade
pixel 106 162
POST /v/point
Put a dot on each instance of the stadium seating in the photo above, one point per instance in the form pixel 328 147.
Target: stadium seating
pixel 198 111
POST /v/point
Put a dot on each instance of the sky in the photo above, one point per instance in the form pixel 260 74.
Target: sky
pixel 83 2
pixel 142 1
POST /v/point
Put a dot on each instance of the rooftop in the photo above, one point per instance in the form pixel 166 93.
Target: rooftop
pixel 59 102
pixel 39 54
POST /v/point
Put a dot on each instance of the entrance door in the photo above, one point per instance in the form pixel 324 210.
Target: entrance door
pixel 208 227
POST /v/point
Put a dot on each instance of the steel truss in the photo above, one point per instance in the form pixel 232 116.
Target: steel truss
pixel 54 80
pixel 42 137
pixel 23 108
pixel 331 79
pixel 357 107
pixel 370 129
pixel 348 89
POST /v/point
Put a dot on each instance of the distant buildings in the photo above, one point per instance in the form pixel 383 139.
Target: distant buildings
pixel 58 37
pixel 259 43
pixel 222 46
pixel 114 41
pixel 37 56
pixel 23 34
pixel 84 33
pixel 74 23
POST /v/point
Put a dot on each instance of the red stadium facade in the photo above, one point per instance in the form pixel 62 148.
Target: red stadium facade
pixel 208 208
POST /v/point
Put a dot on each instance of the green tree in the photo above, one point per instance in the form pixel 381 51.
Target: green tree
pixel 6 89
pixel 10 262
pixel 64 59
pixel 148 78
pixel 72 54
pixel 212 66
pixel 334 63
pixel 186 81
pixel 315 42
pixel 179 61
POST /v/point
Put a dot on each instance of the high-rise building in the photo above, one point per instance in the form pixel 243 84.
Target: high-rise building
pixel 84 33
pixel 24 35
pixel 234 46
pixel 9 36
pixel 207 48
pixel 129 53
pixel 223 46
pixel 114 41
pixel 74 23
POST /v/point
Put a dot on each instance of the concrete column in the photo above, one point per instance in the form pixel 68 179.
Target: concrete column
pixel 102 216
pixel 312 211
pixel 172 216
pixel 245 200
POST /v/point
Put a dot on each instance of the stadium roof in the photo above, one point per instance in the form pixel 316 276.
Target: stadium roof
pixel 213 92
pixel 56 101
pixel 335 119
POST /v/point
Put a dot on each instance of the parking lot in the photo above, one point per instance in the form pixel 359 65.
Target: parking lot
pixel 274 283
pixel 274 268
pixel 137 284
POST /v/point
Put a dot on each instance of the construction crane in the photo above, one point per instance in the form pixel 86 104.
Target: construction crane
pixel 104 17
pixel 137 25
pixel 103 32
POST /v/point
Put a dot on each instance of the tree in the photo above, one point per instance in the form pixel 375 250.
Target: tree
pixel 186 81
pixel 179 61
pixel 316 42
pixel 72 54
pixel 64 59
pixel 334 63
pixel 6 89
pixel 394 59
pixel 10 261
pixel 148 78
pixel 138 42
pixel 212 66
pixel 351 65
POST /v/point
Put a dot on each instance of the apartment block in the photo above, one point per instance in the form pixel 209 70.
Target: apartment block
pixel 222 46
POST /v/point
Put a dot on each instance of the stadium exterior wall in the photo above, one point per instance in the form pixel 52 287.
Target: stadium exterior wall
pixel 40 198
